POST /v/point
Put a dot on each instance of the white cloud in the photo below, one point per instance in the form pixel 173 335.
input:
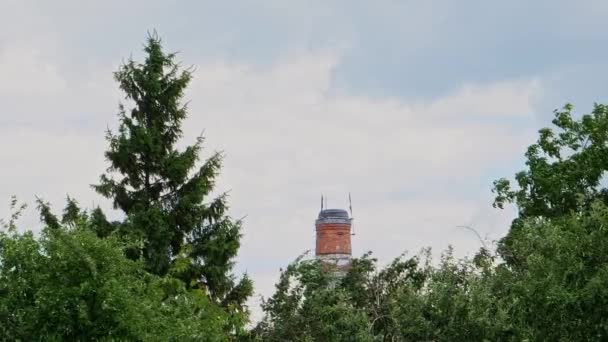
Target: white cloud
pixel 503 99
pixel 26 74
pixel 414 168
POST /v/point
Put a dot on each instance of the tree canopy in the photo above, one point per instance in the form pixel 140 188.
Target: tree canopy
pixel 164 272
pixel 564 171
pixel 546 281
pixel 165 195
pixel 68 284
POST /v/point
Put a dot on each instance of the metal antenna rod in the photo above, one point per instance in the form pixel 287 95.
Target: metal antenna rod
pixel 350 207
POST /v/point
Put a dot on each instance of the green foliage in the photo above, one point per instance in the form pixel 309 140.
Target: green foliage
pixel 16 210
pixel 565 168
pixel 404 301
pixel 552 282
pixel 560 290
pixel 46 215
pixel 547 281
pixel 164 273
pixel 306 307
pixel 164 194
pixel 100 224
pixel 71 285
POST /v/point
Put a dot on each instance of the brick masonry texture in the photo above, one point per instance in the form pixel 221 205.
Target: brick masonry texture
pixel 333 238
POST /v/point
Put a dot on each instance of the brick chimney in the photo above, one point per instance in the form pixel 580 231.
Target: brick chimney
pixel 333 238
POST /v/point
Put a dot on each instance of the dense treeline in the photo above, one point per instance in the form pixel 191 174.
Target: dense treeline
pixel 558 292
pixel 164 272
pixel 546 281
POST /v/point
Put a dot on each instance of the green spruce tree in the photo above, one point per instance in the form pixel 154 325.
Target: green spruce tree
pixel 161 189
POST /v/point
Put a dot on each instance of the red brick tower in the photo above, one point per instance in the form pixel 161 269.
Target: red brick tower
pixel 333 238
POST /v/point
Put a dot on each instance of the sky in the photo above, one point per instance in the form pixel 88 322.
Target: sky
pixel 413 107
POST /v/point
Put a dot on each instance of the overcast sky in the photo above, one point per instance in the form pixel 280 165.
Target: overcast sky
pixel 414 107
